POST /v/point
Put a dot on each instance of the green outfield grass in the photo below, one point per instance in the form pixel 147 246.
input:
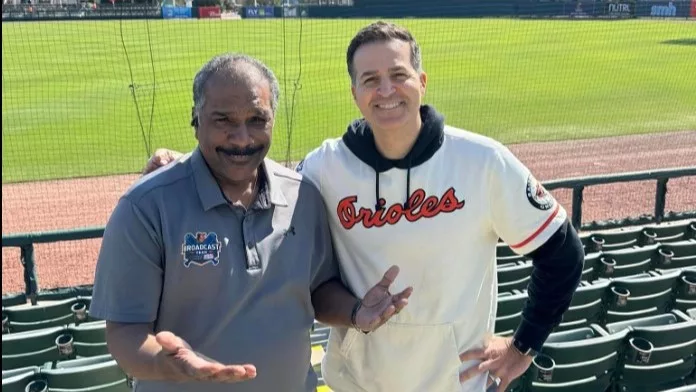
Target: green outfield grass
pixel 67 108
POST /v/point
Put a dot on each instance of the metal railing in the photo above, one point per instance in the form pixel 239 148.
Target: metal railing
pixel 26 241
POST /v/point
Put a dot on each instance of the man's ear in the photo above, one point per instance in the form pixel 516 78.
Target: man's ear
pixel 194 117
pixel 423 82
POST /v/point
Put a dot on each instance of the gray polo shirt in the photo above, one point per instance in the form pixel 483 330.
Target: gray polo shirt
pixel 234 284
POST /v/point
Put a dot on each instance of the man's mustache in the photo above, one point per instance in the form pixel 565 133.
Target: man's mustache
pixel 250 150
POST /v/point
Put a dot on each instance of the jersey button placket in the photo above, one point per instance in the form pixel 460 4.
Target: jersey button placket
pixel 252 256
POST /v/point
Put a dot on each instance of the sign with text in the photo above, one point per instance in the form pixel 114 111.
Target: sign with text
pixel 176 13
pixel 209 12
pixel 259 12
pixel 619 10
pixel 663 9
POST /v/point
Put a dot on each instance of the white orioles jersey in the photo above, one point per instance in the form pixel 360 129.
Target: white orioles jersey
pixel 471 192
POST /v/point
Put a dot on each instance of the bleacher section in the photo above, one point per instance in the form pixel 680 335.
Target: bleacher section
pixel 631 326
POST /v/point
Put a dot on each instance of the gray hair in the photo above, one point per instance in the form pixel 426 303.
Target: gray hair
pixel 230 62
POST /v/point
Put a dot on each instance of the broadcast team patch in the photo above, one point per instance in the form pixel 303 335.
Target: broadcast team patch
pixel 201 249
pixel 538 195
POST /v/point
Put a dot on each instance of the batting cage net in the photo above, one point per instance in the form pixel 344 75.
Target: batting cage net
pixel 586 88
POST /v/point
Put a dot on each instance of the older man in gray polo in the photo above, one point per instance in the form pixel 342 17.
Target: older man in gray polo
pixel 213 269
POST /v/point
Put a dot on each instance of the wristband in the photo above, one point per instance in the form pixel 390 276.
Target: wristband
pixel 354 315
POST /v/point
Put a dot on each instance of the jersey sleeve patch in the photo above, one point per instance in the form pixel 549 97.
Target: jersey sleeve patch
pixel 299 166
pixel 538 196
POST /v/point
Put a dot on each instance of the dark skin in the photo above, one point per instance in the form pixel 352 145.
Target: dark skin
pixel 233 128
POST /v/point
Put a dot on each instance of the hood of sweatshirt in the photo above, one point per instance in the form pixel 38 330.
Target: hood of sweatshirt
pixel 360 141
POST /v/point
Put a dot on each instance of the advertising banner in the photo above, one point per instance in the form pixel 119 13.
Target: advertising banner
pixel 693 8
pixel 663 9
pixel 176 12
pixel 259 12
pixel 620 9
pixel 209 12
pixel 290 12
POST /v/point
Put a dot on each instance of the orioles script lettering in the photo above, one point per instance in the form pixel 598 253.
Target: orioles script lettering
pixel 420 207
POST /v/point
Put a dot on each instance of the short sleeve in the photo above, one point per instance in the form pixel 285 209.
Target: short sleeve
pixel 129 274
pixel 525 215
pixel 310 167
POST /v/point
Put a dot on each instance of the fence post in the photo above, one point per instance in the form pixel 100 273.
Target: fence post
pixel 660 198
pixel 577 207
pixel 31 281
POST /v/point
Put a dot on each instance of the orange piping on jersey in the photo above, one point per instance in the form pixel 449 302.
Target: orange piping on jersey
pixel 539 230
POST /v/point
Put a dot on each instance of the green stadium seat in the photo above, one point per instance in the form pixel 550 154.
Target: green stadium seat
pixel 686 290
pixel 64 293
pixel 89 338
pixel 503 250
pixel 17 380
pixel 672 337
pixel 509 313
pixel 582 359
pixel 626 262
pixel 96 374
pixel 320 337
pixel 586 307
pixel 635 297
pixel 590 267
pixel 27 317
pixel 14 299
pixel 653 378
pixel 514 276
pixel 692 313
pixel 685 388
pixel 31 348
pixel 612 240
pixel 676 255
pixel 669 232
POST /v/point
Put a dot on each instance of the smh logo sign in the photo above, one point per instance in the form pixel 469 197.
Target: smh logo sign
pixel 663 10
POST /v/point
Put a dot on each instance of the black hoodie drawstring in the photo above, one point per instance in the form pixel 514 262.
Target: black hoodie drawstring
pixel 378 206
pixel 360 141
pixel 408 183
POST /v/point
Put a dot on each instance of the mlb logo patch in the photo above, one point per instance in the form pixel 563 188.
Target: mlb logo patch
pixel 201 249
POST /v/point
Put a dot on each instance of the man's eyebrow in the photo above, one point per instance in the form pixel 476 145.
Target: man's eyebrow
pixel 392 69
pixel 367 73
pixel 397 68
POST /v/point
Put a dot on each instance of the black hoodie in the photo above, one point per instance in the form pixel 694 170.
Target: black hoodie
pixel 360 140
pixel 557 263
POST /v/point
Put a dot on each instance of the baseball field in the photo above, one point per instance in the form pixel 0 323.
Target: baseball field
pixel 92 99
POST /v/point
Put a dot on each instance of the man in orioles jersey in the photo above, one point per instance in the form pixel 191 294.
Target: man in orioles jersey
pixel 402 187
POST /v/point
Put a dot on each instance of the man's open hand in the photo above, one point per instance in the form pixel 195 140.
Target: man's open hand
pixel 379 304
pixel 182 364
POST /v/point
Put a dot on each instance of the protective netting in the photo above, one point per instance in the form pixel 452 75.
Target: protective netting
pixel 85 103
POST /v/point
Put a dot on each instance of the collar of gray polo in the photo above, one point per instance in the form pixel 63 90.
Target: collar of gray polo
pixel 211 195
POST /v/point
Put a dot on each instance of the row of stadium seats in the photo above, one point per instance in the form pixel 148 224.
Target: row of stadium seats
pixel 648 354
pixel 611 300
pixel 515 275
pixel 621 238
pixel 94 374
pixel 512 277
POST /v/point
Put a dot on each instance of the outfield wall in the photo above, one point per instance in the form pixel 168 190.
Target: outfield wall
pixel 381 9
